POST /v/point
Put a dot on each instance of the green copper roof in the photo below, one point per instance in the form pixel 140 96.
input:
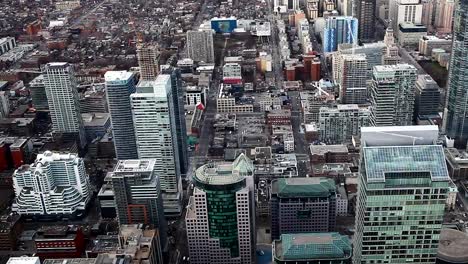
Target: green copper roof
pixel 304 187
pixel 312 246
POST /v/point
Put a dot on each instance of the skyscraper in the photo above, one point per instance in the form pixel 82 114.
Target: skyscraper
pixel 374 53
pixel 148 60
pixel 366 16
pixel 200 45
pixel 405 11
pixel 62 96
pixel 119 86
pixel 156 136
pixel 353 79
pixel 455 114
pixel 444 20
pixel 178 97
pixel 54 185
pixel 137 195
pixel 392 95
pixel 220 214
pixel 428 12
pixel 402 189
pixel 338 30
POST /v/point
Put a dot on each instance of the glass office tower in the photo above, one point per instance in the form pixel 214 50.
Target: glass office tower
pixel 455 114
pixel 401 197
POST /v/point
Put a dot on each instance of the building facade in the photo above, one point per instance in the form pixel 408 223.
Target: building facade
pixel 301 205
pixel 339 124
pixel 409 11
pixel 444 19
pixel 38 93
pixel 338 30
pixel 427 96
pixel 200 46
pixel 54 185
pixel 402 190
pixel 119 86
pixel 366 16
pixel 59 242
pixel 373 53
pixel 137 193
pixel 392 95
pixel 353 79
pixel 455 114
pixel 176 95
pixel 155 127
pixel 220 216
pixel 62 97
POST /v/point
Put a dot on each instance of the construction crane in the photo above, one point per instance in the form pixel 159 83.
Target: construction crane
pixel 138 34
pixel 316 86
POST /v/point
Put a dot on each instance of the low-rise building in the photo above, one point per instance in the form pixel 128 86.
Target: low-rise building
pixel 276 166
pixel 228 103
pixel 195 95
pixel 428 43
pixel 279 117
pixel 329 154
pixel 59 242
pixel 457 163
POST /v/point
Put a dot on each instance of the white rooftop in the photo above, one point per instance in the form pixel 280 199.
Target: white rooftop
pixel 117 75
pixel 399 135
pixel 23 260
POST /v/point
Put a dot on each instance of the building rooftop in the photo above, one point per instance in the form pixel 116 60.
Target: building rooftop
pixel 95 119
pixel 452 246
pixel 70 261
pixel 104 243
pixel 141 165
pixel 225 173
pixel 312 246
pixel 399 135
pixel 380 161
pixel 411 28
pixel 23 260
pixel 323 149
pixel 112 76
pixel 303 187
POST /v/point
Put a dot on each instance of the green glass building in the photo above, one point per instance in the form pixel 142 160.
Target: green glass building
pixel 220 216
pixel 401 200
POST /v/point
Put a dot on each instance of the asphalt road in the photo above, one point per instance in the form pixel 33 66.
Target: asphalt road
pixel 407 58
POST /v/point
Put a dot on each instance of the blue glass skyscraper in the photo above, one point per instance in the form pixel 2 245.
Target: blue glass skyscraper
pixel 338 30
